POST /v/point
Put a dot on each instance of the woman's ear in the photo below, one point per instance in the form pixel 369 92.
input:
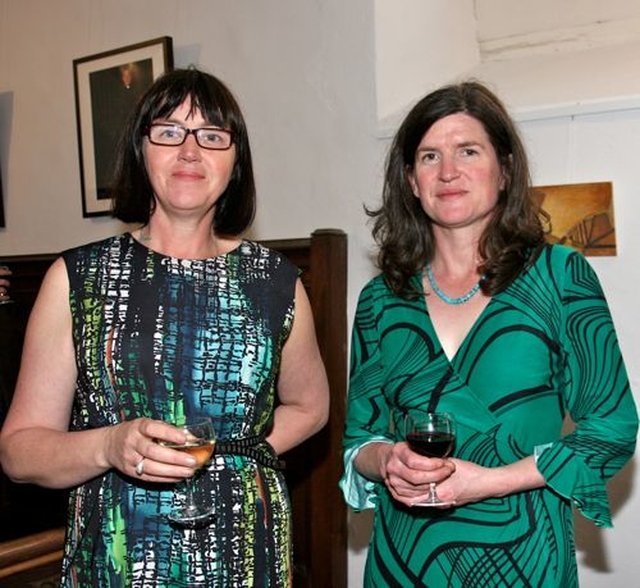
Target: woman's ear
pixel 408 170
pixel 506 166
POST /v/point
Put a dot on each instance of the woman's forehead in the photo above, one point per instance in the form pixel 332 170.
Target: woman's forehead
pixel 191 108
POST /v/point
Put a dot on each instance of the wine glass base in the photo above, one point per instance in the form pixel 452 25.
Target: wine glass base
pixel 192 519
pixel 435 503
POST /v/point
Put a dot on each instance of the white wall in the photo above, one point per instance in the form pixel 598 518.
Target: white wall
pixel 303 74
pixel 418 45
pixel 505 19
pixel 603 146
pixel 323 84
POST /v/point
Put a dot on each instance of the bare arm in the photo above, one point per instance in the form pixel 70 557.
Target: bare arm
pixel 472 483
pixel 303 390
pixel 35 443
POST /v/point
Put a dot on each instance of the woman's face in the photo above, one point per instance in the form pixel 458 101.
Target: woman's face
pixel 456 173
pixel 187 178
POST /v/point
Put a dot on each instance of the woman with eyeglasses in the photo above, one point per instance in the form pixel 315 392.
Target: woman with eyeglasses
pixel 181 317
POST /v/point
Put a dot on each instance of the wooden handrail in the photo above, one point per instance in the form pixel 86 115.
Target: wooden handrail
pixel 31 551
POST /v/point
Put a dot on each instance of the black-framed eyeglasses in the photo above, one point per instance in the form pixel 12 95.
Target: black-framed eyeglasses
pixel 172 135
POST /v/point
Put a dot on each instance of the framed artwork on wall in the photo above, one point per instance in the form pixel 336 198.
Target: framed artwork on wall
pixel 581 216
pixel 107 88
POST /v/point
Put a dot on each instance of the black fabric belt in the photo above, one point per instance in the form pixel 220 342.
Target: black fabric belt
pixel 255 447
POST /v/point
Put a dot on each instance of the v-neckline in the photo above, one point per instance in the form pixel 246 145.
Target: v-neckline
pixel 463 342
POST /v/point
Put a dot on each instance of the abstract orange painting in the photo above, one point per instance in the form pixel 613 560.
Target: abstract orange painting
pixel 581 216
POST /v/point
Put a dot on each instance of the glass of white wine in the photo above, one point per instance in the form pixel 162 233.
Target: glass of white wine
pixel 200 443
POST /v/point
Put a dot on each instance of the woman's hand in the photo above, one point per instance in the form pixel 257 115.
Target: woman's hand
pixel 132 447
pixel 468 483
pixel 471 482
pixel 408 474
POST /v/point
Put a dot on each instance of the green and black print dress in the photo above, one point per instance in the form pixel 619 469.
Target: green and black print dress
pixel 161 337
pixel 542 349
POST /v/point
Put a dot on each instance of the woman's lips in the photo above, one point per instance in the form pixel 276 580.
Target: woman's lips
pixel 187 175
pixel 451 193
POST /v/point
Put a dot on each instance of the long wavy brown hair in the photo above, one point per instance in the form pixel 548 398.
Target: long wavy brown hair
pixel 515 233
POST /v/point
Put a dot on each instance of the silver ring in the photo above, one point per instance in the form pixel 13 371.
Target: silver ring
pixel 140 467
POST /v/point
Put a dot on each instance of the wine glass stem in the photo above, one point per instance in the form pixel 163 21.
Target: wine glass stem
pixel 189 499
pixel 432 491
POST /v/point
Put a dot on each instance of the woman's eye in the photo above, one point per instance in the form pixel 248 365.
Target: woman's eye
pixel 170 133
pixel 212 137
pixel 429 157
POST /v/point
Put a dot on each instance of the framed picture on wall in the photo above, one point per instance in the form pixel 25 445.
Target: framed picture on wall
pixel 581 216
pixel 107 87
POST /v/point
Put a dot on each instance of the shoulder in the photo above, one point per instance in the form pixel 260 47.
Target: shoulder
pixel 560 259
pixel 264 258
pixel 377 284
pixel 93 247
pixel 377 289
pixel 87 261
pixel 566 269
pixel 263 272
pixel 376 297
pixel 562 254
pixel 256 248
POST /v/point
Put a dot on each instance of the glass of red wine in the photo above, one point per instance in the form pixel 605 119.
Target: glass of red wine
pixel 431 434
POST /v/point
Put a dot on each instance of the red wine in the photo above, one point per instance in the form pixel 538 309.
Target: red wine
pixel 431 444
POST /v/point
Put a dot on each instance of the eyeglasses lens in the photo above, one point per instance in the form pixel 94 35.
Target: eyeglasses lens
pixel 206 137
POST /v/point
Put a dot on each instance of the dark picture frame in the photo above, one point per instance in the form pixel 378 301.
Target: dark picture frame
pixel 107 88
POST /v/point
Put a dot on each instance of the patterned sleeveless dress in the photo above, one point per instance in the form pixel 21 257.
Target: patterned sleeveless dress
pixel 163 338
pixel 542 349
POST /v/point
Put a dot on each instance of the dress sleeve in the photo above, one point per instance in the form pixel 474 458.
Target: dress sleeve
pixel 597 396
pixel 368 414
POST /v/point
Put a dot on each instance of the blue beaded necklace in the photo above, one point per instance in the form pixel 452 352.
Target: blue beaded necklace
pixel 460 300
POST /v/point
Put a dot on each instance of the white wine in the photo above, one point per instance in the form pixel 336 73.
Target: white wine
pixel 200 449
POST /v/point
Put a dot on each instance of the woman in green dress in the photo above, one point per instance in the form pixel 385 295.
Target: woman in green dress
pixel 474 315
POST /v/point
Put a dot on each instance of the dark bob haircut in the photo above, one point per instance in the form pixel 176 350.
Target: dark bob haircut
pixel 133 197
pixel 404 232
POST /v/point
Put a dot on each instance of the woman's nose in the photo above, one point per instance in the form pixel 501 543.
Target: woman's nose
pixel 190 150
pixel 448 169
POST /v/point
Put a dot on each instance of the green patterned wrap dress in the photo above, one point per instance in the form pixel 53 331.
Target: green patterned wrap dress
pixel 542 349
pixel 163 338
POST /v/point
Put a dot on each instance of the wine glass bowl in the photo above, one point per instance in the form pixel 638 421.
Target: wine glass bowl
pixel 432 435
pixel 200 444
pixel 201 449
